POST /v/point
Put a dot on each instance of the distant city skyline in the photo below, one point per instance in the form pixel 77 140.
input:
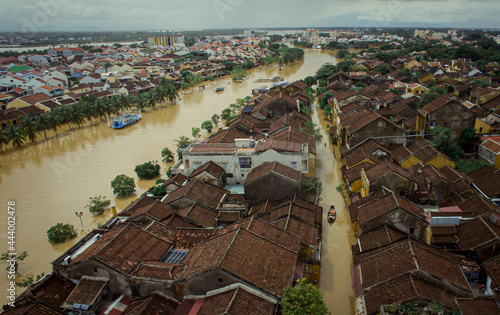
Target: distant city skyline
pixel 128 15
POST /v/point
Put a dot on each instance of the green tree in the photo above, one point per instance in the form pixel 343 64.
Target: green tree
pixel 326 71
pixel 77 116
pixel 195 132
pixel 342 53
pixel 313 130
pixel 97 205
pixel 159 190
pixel 466 136
pixel 443 141
pixel 17 258
pixel 123 185
pixel 303 298
pixel 4 139
pixel 311 187
pixel 15 135
pixel 323 103
pixel 59 233
pixel 141 102
pixel 310 80
pixel 468 166
pixel 207 125
pixel 167 155
pixel 42 122
pixel 30 128
pixel 226 113
pixel 29 280
pixel 64 113
pixel 147 170
pixel 238 74
pixel 53 121
pixel 215 119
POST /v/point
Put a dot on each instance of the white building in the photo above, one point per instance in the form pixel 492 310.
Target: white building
pixel 239 158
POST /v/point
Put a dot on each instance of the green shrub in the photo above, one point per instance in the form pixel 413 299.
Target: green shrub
pixel 147 170
pixel 59 233
pixel 159 191
pixel 98 205
pixel 123 185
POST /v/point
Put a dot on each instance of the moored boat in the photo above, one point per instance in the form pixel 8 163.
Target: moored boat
pixel 332 215
pixel 125 120
pixel 219 89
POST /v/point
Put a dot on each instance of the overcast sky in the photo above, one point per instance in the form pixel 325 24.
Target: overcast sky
pixel 101 15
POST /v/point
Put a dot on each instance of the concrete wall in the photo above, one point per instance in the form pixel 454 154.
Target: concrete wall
pixel 379 128
pixel 452 115
pixel 396 183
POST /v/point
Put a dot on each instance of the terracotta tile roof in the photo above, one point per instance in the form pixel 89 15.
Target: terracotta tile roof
pixel 384 168
pixel 177 179
pixel 157 211
pixel 275 168
pixel 31 110
pixel 239 300
pixel 354 173
pixel 227 136
pixel 492 146
pixel 186 238
pixel 478 206
pixel 35 98
pixel 158 270
pixel 357 156
pixel 52 290
pixel 294 135
pixel 88 290
pixel 492 268
pixel 290 209
pixel 353 208
pixel 160 230
pixel 436 104
pixel 484 305
pixel 370 146
pixel 401 154
pixel 282 122
pixel 452 174
pixel 307 232
pixel 491 104
pixel 136 204
pixel 278 146
pixel 209 167
pixel 476 233
pixel 415 258
pixel 269 102
pixel 157 304
pixel 405 290
pixel 199 215
pixel 123 248
pixel 197 192
pixel 386 204
pixel 219 148
pixel 246 120
pixel 489 184
pixel 267 265
pixel 176 221
pixel 379 237
pixel 481 172
pixel 267 230
pixel 261 207
pixel 34 308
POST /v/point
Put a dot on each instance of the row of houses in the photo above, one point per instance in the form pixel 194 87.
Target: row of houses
pixel 215 240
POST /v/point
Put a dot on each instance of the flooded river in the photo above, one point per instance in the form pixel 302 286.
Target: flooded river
pixel 51 180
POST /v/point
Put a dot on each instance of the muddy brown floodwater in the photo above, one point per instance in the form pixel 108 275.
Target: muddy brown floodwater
pixel 52 179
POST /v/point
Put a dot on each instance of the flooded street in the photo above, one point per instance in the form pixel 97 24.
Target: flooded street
pixel 51 180
pixel 336 260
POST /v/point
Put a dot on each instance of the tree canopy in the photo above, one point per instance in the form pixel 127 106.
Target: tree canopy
pixel 303 298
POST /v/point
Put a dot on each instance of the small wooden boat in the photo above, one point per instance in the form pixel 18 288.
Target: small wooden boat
pixel 332 215
pixel 125 120
pixel 219 89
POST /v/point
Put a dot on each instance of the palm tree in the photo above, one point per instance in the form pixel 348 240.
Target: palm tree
pixel 88 110
pixel 77 115
pixel 30 128
pixel 42 121
pixel 160 93
pixel 15 135
pixel 171 92
pixel 64 112
pixel 163 81
pixel 100 109
pixel 4 139
pixel 53 121
pixel 140 102
pixel 126 101
pixel 153 98
pixel 115 103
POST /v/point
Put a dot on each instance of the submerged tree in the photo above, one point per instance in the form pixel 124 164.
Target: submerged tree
pixel 123 185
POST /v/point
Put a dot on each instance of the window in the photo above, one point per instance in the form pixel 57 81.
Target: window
pixel 412 231
pixel 242 175
pixel 294 165
pixel 187 163
pixel 431 125
pixel 197 164
pixel 229 175
pixel 135 290
pixel 224 165
pixel 95 269
pixel 245 162
pixel 445 124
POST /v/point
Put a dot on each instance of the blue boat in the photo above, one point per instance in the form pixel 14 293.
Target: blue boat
pixel 125 120
pixel 219 89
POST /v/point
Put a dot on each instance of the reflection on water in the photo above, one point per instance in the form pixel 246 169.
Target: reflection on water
pixel 51 179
